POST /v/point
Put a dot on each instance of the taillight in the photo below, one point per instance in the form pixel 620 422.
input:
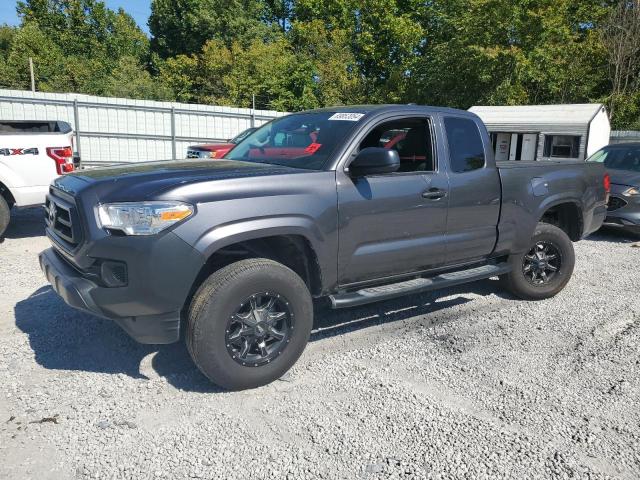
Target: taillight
pixel 63 156
pixel 607 182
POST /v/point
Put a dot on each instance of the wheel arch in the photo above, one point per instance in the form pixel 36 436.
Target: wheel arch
pixel 290 247
pixel 6 194
pixel 565 214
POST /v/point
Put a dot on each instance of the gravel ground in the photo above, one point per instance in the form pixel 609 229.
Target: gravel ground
pixel 462 383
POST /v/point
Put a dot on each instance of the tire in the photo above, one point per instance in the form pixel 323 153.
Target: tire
pixel 5 215
pixel 213 323
pixel 526 280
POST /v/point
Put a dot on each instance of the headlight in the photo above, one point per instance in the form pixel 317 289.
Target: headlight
pixel 631 192
pixel 143 218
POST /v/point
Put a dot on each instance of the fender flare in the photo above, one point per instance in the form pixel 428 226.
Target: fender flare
pixel 227 234
pixel 561 199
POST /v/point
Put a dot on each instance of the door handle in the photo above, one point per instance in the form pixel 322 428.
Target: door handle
pixel 434 194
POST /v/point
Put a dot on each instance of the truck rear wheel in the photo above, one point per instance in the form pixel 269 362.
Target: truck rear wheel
pixel 5 215
pixel 248 323
pixel 545 268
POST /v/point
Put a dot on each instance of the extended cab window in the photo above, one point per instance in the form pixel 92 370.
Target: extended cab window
pixel 466 151
pixel 410 137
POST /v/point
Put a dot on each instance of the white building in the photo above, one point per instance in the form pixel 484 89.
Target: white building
pixel 546 132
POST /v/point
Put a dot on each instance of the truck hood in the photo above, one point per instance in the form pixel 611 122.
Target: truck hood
pixel 142 180
pixel 624 177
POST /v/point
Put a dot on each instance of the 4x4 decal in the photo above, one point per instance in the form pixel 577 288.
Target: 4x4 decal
pixel 18 151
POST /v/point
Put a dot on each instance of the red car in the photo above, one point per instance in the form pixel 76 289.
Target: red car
pixel 218 150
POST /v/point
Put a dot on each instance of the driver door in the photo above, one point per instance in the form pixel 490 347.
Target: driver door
pixel 392 224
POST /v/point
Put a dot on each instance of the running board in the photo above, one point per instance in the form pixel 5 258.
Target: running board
pixel 417 285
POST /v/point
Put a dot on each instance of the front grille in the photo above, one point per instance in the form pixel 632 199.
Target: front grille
pixel 59 217
pixel 615 203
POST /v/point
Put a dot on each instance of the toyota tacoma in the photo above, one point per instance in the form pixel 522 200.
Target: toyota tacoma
pixel 357 204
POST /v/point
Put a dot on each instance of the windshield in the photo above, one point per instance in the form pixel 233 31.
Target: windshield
pixel 242 135
pixel 301 140
pixel 618 158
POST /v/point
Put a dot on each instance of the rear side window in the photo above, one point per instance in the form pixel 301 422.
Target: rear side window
pixel 466 151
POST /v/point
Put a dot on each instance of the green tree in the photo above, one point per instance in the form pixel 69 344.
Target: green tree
pixel 336 78
pixel 184 26
pixel 85 27
pixel 130 80
pixel 510 52
pixel 621 39
pixel 81 46
pixel 7 34
pixel 383 36
pixel 299 54
pixel 269 70
pixel 180 74
pixel 31 41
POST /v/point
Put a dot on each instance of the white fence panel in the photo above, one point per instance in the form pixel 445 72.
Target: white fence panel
pixel 113 130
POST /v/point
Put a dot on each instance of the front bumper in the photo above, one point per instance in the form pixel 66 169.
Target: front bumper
pixel 631 225
pixel 133 307
pixel 626 216
pixel 140 282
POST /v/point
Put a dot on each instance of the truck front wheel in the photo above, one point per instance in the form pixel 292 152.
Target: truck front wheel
pixel 248 323
pixel 5 215
pixel 545 268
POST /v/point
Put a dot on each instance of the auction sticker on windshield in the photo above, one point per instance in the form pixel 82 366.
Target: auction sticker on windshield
pixel 351 117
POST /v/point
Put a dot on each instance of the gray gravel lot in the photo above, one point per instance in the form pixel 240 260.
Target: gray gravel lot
pixel 462 383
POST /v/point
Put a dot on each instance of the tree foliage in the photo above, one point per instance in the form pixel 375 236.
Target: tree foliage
pixel 621 37
pixel 294 55
pixel 184 26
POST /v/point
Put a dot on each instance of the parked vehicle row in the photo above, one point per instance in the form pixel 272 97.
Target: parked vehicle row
pixel 32 154
pixel 357 204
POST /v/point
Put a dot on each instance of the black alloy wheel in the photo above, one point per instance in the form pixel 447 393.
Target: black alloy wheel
pixel 260 329
pixel 248 323
pixel 542 263
pixel 544 268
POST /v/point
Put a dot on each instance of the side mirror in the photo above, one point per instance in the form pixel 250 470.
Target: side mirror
pixel 374 160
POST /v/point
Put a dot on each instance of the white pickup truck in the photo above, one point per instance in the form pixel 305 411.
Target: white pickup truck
pixel 32 154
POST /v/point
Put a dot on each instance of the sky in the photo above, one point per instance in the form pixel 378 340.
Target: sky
pixel 138 9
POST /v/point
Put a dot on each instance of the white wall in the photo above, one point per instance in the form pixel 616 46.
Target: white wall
pixel 599 133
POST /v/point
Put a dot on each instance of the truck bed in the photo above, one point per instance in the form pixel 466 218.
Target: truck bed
pixel 533 186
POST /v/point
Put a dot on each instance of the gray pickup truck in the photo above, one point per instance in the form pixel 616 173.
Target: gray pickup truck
pixel 357 204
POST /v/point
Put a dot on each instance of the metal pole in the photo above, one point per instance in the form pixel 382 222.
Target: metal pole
pixel 253 110
pixel 173 133
pixel 76 124
pixel 33 78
